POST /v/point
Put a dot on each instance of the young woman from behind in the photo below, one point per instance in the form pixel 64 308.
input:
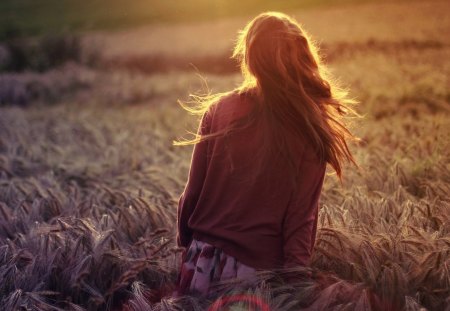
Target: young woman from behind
pixel 252 196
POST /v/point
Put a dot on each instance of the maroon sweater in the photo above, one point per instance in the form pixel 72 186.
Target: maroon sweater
pixel 265 223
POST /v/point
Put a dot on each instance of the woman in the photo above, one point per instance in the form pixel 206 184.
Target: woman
pixel 251 200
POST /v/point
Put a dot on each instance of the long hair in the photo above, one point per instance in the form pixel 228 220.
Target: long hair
pixel 282 69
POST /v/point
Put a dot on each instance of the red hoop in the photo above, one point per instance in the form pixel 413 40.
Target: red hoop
pixel 251 299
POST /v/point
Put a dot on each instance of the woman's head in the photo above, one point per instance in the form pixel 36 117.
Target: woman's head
pixel 274 51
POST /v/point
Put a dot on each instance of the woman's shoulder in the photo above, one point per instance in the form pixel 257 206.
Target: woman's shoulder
pixel 226 99
pixel 232 103
pixel 235 97
pixel 227 108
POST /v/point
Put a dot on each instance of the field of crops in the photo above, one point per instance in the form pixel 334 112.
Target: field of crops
pixel 89 178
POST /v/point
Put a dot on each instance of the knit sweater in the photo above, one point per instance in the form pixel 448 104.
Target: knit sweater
pixel 264 223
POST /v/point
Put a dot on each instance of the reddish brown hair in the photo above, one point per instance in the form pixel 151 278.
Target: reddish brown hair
pixel 283 70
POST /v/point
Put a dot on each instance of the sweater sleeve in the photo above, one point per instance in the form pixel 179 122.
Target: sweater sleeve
pixel 300 221
pixel 194 185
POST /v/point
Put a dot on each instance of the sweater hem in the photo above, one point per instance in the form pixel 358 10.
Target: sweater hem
pixel 231 251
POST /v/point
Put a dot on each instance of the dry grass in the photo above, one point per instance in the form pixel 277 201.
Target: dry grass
pixel 88 185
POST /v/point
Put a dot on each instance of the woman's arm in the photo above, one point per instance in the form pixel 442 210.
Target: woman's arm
pixel 300 221
pixel 194 185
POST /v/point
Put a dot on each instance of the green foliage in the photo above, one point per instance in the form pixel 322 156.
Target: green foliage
pixel 53 16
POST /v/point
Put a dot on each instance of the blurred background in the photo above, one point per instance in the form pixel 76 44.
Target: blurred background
pixel 150 37
pixel 89 178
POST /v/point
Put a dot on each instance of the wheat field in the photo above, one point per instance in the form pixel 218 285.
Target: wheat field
pixel 89 178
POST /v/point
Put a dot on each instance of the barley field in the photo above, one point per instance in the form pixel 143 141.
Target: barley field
pixel 89 178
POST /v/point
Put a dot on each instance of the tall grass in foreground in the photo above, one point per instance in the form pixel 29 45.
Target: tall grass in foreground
pixel 88 203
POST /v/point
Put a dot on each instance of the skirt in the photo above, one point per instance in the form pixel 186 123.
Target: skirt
pixel 204 268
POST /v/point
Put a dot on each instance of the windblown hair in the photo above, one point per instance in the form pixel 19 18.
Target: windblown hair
pixel 283 70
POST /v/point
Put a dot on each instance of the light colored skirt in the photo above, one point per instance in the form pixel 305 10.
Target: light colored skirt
pixel 204 267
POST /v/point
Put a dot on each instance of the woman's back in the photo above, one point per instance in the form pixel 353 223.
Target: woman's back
pixel 259 160
pixel 263 220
